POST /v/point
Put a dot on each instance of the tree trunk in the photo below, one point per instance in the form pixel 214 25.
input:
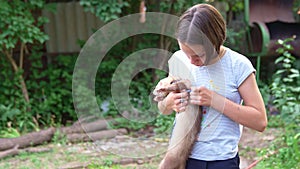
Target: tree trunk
pixel 17 69
pixel 105 134
pixel 15 151
pixel 30 139
pixel 97 125
pixel 10 152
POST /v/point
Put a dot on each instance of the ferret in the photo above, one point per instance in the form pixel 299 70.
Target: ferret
pixel 187 125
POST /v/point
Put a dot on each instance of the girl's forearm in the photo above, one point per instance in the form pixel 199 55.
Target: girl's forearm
pixel 247 115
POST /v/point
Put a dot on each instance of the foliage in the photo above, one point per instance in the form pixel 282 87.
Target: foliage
pixel 284 153
pixel 19 27
pixel 234 38
pixel 9 133
pixel 236 5
pixel 59 138
pixel 164 123
pixel 177 7
pixel 275 121
pixel 296 9
pixel 52 89
pixel 122 122
pixel 17 23
pixel 285 88
pixel 12 107
pixel 106 11
pixel 51 95
pixel 286 84
pixel 264 89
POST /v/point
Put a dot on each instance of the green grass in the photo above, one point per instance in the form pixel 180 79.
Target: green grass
pixel 62 155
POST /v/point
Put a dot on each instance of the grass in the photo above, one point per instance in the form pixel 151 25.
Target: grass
pixel 62 155
pixel 85 154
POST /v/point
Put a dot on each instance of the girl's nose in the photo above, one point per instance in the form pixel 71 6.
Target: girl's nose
pixel 194 60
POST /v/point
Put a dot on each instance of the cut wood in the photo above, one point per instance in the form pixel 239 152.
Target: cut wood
pixel 15 151
pixel 84 127
pixel 75 165
pixel 36 149
pixel 10 152
pixel 105 134
pixel 30 139
pixel 127 161
pixel 75 133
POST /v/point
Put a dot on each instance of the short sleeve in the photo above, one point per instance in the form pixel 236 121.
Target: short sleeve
pixel 242 68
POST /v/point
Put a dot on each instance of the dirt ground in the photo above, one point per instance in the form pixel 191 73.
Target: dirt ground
pixel 251 143
pixel 127 151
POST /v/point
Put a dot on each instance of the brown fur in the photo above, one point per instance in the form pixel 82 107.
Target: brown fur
pixel 186 129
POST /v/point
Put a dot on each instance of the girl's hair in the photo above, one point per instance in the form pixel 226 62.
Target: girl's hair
pixel 202 24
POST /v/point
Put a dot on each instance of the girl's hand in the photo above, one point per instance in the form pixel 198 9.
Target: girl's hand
pixel 177 101
pixel 204 97
pixel 201 96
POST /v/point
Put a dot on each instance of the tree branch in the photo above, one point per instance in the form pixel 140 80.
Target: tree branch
pixel 21 59
pixel 16 69
pixel 11 60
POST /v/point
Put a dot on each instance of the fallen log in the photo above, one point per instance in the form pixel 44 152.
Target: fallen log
pixel 10 152
pixel 15 151
pixel 105 134
pixel 36 149
pixel 30 139
pixel 76 133
pixel 75 165
pixel 83 127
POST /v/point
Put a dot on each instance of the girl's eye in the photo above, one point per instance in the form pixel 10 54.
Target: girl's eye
pixel 197 56
pixel 201 55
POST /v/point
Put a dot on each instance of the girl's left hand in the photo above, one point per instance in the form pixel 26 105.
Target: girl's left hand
pixel 201 96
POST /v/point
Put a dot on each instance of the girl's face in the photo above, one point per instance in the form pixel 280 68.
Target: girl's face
pixel 195 53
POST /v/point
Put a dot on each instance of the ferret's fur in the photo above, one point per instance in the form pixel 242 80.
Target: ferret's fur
pixel 187 125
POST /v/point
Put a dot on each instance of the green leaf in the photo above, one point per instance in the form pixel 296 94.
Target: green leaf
pixel 280 42
pixel 280 72
pixel 279 60
pixel 51 7
pixel 293 76
pixel 296 71
pixel 280 50
pixel 286 60
pixel 286 65
pixel 289 47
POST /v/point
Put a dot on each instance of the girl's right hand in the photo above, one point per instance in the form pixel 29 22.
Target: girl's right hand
pixel 177 101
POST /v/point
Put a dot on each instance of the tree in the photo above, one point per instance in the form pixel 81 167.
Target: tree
pixel 18 28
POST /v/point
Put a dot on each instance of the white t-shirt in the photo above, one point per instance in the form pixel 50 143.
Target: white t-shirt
pixel 219 136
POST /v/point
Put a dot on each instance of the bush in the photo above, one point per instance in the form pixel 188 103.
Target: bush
pixel 286 84
pixel 50 94
pixel 284 153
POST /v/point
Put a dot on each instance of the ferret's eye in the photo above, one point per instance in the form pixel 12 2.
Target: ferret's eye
pixel 174 81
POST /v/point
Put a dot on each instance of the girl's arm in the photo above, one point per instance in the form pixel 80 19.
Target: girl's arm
pixel 252 114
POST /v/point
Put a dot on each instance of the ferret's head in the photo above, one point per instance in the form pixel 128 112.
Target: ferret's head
pixel 170 84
